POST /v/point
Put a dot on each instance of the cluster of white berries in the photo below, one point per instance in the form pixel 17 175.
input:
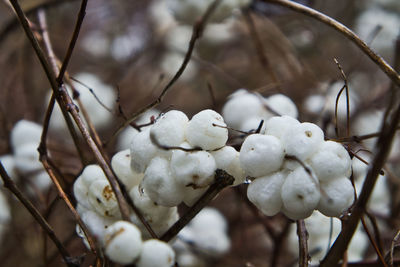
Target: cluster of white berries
pixel 245 110
pixel 296 171
pixel 122 241
pixel 170 162
pixel 183 174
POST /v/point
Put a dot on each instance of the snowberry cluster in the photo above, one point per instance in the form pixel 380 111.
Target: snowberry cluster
pixel 245 110
pixel 172 161
pixel 122 241
pixel 296 171
pixel 179 157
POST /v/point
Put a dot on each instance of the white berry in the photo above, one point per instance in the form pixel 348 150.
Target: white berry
pixel 123 242
pixel 336 196
pixel 156 253
pixel 265 192
pixel 261 155
pixel 300 194
pixel 303 140
pixel 206 130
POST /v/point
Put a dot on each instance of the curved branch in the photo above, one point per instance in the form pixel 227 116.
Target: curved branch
pixel 382 64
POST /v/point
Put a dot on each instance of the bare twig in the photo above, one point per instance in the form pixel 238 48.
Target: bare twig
pixel 379 61
pixel 198 29
pixel 222 180
pixel 10 185
pixel 346 87
pixel 155 141
pixel 93 94
pixel 357 138
pixel 372 241
pixel 303 247
pixel 71 46
pixel 43 148
pixel 392 248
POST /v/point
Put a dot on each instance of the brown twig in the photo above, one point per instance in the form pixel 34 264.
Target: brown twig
pixel 71 46
pixel 303 247
pixel 49 111
pixel 222 180
pixel 357 138
pixel 372 241
pixel 42 147
pixel 63 195
pixel 66 103
pixel 198 29
pixel 379 61
pixel 10 185
pixel 346 87
pixel 392 248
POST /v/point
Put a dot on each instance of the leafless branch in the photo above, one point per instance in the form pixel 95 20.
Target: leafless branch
pixel 303 247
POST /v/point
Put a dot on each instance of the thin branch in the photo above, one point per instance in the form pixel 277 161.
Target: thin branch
pixel 374 245
pixel 49 111
pixel 336 109
pixel 393 245
pixel 10 185
pixel 222 180
pixel 357 138
pixel 346 87
pixel 63 195
pixel 379 61
pixel 303 247
pixel 155 141
pixel 71 46
pixel 93 94
pixel 198 29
